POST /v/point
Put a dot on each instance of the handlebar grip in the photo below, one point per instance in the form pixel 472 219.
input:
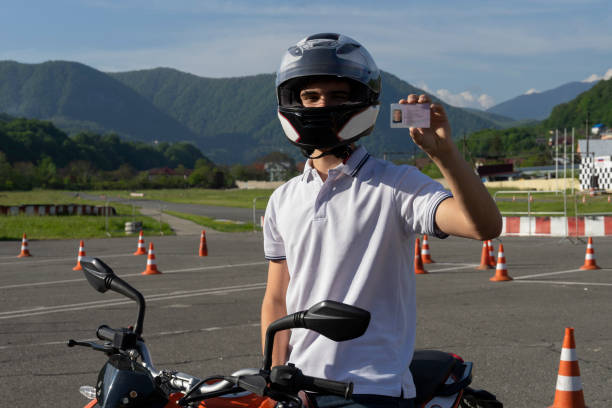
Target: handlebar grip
pixel 322 385
pixel 106 333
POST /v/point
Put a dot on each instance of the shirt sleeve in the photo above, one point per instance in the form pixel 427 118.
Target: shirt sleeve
pixel 417 197
pixel 274 247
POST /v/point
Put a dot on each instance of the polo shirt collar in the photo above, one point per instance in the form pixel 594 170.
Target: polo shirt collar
pixel 351 168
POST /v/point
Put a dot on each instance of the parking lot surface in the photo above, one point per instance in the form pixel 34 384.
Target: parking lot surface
pixel 203 313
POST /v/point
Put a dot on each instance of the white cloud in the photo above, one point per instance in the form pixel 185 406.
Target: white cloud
pixel 465 99
pixel 532 91
pixel 595 77
pixel 486 101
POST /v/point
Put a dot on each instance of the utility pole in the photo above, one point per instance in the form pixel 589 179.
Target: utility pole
pixel 573 158
pixel 565 159
pixel 557 158
pixel 587 152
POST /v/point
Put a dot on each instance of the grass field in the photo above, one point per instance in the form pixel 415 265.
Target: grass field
pixel 224 198
pixel 551 204
pixel 69 227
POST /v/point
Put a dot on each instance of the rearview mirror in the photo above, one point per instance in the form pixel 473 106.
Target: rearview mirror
pixel 334 320
pixel 97 273
pixel 102 278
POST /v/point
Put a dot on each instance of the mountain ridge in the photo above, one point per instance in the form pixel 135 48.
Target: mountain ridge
pixel 539 105
pixel 230 119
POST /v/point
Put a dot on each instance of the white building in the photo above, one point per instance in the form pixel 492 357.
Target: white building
pixel 596 164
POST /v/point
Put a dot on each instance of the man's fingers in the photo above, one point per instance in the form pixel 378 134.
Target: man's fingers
pixel 412 98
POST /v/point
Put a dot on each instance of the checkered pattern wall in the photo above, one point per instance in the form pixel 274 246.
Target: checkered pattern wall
pixel 599 168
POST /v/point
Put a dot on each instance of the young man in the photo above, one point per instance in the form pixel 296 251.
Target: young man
pixel 345 229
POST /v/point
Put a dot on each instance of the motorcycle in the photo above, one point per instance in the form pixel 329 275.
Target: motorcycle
pixel 129 378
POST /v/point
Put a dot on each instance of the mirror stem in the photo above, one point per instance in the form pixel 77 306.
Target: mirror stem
pixel 119 285
pixel 288 322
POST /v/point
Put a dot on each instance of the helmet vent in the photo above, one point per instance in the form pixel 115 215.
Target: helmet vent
pixel 323 36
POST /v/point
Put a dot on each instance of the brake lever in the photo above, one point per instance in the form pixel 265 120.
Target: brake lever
pixel 106 348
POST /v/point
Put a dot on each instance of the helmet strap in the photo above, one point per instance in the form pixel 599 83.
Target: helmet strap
pixel 343 152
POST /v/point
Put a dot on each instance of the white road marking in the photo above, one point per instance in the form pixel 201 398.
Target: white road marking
pixel 546 274
pixel 566 283
pixel 27 261
pixel 82 279
pixel 149 335
pixel 454 268
pixel 40 310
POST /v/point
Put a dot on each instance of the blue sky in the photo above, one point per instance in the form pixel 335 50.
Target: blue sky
pixel 469 53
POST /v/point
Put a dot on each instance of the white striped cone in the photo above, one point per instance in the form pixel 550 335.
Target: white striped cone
pixel 492 261
pixel 151 268
pixel 81 254
pixel 568 392
pixel 425 254
pixel 501 272
pixel 589 257
pixel 418 263
pixel 140 249
pixel 24 247
pixel 484 258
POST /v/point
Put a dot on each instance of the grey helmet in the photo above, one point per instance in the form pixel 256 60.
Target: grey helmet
pixel 333 56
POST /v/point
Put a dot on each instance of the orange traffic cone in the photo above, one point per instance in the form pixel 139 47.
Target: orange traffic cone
pixel 24 247
pixel 589 258
pixel 501 273
pixel 484 257
pixel 78 266
pixel 568 393
pixel 492 261
pixel 151 266
pixel 425 255
pixel 140 249
pixel 418 263
pixel 203 247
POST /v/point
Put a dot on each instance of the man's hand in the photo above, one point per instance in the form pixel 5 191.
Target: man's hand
pixel 436 140
pixel 471 212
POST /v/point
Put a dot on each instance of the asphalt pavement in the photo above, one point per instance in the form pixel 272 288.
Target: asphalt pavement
pixel 203 313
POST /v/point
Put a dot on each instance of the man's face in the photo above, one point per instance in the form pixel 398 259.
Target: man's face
pixel 319 94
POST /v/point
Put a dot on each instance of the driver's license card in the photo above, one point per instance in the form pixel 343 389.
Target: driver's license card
pixel 410 115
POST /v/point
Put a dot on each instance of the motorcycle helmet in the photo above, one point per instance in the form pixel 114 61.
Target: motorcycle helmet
pixel 333 128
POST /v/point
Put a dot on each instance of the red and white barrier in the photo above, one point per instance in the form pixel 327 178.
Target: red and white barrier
pixel 49 209
pixel 557 226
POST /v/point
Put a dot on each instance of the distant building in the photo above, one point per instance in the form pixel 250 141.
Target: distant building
pixel 277 170
pixel 596 164
pixel 496 172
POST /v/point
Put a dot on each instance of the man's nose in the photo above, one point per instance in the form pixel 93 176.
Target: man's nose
pixel 323 102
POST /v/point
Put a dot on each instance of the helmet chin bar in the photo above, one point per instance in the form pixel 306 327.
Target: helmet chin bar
pixel 327 127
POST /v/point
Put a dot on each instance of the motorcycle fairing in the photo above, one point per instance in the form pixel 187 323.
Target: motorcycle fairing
pixel 121 378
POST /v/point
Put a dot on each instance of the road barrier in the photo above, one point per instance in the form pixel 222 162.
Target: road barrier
pixel 594 226
pixel 52 209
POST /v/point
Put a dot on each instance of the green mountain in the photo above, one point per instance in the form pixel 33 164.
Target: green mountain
pixel 76 98
pixel 230 119
pixel 236 117
pixel 597 102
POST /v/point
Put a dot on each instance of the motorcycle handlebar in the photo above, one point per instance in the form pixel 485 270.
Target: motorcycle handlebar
pixel 325 386
pixel 106 333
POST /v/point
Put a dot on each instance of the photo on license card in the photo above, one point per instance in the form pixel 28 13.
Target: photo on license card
pixel 410 115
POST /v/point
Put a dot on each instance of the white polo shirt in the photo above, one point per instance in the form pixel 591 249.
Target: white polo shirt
pixel 351 239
